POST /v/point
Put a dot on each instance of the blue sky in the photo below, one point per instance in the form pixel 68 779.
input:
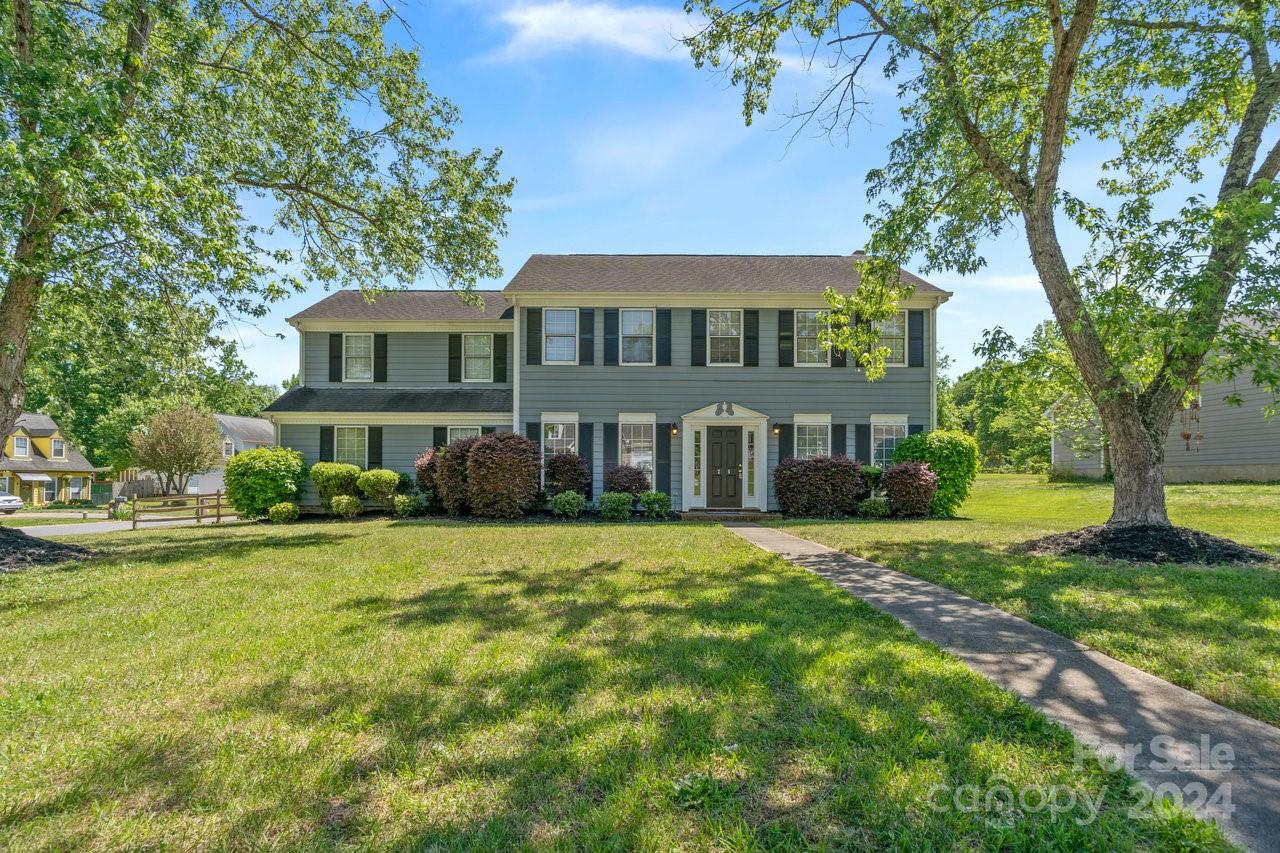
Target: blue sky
pixel 618 144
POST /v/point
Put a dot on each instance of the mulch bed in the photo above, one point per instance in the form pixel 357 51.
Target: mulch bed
pixel 1145 543
pixel 19 551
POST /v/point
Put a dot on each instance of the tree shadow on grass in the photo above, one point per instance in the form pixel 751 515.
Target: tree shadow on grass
pixel 163 549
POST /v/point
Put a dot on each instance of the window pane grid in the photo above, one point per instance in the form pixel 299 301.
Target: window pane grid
pixel 811 441
pixel 349 445
pixel 457 432
pixel 893 334
pixel 697 462
pixel 560 334
pixel 884 439
pixel 358 364
pixel 559 438
pixel 808 346
pixel 636 447
pixel 724 337
pixel 477 358
pixel 637 336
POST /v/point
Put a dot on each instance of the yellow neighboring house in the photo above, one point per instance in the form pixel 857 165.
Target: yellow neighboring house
pixel 39 465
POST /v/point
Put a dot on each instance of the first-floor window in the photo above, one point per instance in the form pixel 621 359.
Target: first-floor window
pixel 884 439
pixel 813 440
pixel 636 446
pixel 558 437
pixel 75 488
pixel 457 432
pixel 4 485
pixel 50 490
pixel 351 445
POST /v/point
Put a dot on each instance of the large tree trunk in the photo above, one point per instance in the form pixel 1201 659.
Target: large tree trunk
pixel 1137 461
pixel 17 313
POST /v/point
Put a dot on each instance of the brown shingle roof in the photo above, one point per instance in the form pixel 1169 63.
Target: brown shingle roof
pixel 420 305
pixel 692 274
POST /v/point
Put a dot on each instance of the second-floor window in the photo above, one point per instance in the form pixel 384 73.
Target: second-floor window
pixel 477 358
pixel 893 334
pixel 637 335
pixel 21 446
pixel 724 336
pixel 809 350
pixel 560 335
pixel 59 448
pixel 357 358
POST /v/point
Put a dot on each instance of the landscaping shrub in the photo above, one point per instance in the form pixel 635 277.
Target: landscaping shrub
pixel 874 508
pixel 451 476
pixel 951 455
pixel 404 483
pixel 568 504
pixel 346 506
pixel 825 486
pixel 283 512
pixel 567 472
pixel 502 475
pixel 871 475
pixel 910 487
pixel 333 479
pixel 625 478
pixel 616 506
pixel 409 506
pixel 379 484
pixel 656 504
pixel 425 467
pixel 257 480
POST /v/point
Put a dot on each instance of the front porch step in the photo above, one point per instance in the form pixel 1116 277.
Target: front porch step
pixel 729 515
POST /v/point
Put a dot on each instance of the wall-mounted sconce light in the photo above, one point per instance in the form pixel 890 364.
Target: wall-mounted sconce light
pixel 777 429
pixel 675 429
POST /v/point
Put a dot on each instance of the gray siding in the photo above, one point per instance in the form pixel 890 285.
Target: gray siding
pixel 598 393
pixel 414 360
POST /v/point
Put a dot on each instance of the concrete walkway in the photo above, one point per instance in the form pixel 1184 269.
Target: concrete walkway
pixel 1100 699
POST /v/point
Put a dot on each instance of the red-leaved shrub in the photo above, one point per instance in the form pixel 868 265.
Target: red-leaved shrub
pixel 567 472
pixel 426 466
pixel 502 475
pixel 910 487
pixel 451 476
pixel 625 478
pixel 826 486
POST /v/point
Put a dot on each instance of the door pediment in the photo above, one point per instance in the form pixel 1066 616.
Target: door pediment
pixel 726 412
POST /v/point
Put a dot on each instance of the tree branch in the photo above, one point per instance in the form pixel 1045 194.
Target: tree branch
pixel 303 189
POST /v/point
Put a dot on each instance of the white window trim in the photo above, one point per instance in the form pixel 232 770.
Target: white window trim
pixel 556 418
pixel 814 420
pixel 653 336
pixel 364 466
pixel 651 419
pixel 795 350
pixel 26 454
pixel 55 454
pixel 449 431
pixel 577 330
pixel 742 338
pixel 372 357
pixel 906 343
pixel 885 420
pixel 466 335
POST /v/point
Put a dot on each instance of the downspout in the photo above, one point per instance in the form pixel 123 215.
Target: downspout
pixel 517 358
pixel 933 368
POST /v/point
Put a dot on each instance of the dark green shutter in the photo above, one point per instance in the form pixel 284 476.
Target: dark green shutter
pixel 533 335
pixel 662 461
pixel 839 357
pixel 839 440
pixel 750 338
pixel 586 336
pixel 915 339
pixel 533 432
pixel 786 441
pixel 664 338
pixel 914 429
pixel 335 358
pixel 499 358
pixel 586 436
pixel 609 435
pixel 455 358
pixel 786 338
pixel 698 338
pixel 379 358
pixel 611 336
pixel 489 430
pixel 439 436
pixel 375 447
pixel 326 444
pixel 862 443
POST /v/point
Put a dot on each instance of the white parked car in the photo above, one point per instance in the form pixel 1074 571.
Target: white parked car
pixel 10 504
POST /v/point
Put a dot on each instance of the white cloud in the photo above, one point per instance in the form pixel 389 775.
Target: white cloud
pixel 541 28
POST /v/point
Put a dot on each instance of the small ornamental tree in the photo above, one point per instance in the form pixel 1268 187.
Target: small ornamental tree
pixel 502 475
pixel 822 486
pixel 451 476
pixel 567 472
pixel 257 480
pixel 910 487
pixel 626 478
pixel 952 455
pixel 177 445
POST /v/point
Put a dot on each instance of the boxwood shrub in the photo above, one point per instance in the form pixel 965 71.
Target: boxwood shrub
pixel 283 512
pixel 566 472
pixel 656 504
pixel 874 508
pixel 380 485
pixel 502 475
pixel 333 479
pixel 257 480
pixel 825 486
pixel 626 478
pixel 451 476
pixel 616 506
pixel 346 506
pixel 951 455
pixel 910 487
pixel 409 506
pixel 568 504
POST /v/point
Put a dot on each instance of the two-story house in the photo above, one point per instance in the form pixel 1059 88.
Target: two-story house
pixel 703 370
pixel 40 465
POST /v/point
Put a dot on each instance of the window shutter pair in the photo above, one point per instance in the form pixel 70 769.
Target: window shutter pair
pixel 379 357
pixel 374 448
pixel 499 358
pixel 750 338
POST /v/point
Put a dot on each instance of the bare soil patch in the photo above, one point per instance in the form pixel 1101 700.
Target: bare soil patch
pixel 19 551
pixel 1145 543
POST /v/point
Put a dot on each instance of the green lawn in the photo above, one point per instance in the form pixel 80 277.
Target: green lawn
pixel 9 521
pixel 1212 630
pixel 393 685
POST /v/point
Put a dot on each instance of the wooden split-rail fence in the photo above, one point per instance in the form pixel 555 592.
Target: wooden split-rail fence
pixel 198 508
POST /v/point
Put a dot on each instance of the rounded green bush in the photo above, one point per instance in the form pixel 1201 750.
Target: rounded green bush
pixel 656 504
pixel 952 455
pixel 257 480
pixel 616 506
pixel 568 504
pixel 874 508
pixel 871 475
pixel 380 485
pixel 283 512
pixel 333 479
pixel 409 506
pixel 346 506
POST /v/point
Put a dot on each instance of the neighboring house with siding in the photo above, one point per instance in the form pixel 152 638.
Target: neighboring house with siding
pixel 702 370
pixel 239 434
pixel 1224 442
pixel 40 465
